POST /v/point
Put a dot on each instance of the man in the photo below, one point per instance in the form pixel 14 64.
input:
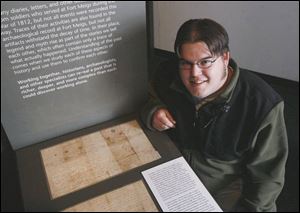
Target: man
pixel 227 122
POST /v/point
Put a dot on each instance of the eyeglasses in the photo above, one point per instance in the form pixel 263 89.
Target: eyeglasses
pixel 203 64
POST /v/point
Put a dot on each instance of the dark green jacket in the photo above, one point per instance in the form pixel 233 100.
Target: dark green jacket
pixel 239 134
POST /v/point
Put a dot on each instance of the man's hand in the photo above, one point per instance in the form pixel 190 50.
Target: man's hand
pixel 163 120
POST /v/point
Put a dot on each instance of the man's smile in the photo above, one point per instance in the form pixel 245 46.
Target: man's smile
pixel 197 82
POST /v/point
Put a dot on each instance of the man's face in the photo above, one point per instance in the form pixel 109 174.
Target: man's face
pixel 208 75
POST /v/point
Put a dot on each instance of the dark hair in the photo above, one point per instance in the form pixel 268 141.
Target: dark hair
pixel 203 30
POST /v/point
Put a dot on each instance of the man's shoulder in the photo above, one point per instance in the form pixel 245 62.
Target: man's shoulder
pixel 166 72
pixel 255 86
pixel 168 66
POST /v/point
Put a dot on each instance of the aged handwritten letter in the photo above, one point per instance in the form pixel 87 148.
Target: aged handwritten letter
pixel 130 198
pixel 86 160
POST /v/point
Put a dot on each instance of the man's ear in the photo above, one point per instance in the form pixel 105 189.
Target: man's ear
pixel 226 57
